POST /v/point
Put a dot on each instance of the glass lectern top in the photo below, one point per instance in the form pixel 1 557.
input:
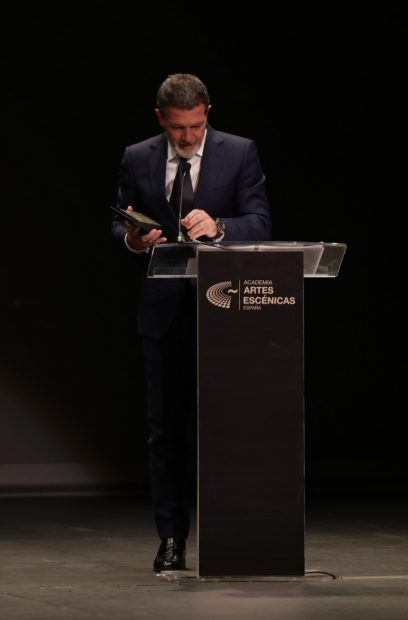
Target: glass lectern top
pixel 179 260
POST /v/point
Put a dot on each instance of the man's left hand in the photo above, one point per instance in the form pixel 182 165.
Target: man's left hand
pixel 198 224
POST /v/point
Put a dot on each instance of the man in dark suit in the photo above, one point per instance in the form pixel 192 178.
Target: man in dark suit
pixel 230 204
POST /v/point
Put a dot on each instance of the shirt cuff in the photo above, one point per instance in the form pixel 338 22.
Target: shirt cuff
pixel 217 239
pixel 132 250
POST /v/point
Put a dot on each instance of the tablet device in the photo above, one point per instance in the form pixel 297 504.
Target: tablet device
pixel 138 219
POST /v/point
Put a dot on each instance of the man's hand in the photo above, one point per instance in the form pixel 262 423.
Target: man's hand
pixel 199 223
pixel 139 241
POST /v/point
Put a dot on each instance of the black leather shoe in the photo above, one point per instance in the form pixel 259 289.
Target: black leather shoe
pixel 171 555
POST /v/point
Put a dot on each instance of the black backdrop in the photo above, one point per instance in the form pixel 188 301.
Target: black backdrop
pixel 322 93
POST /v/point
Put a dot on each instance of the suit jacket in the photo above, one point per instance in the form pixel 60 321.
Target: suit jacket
pixel 231 186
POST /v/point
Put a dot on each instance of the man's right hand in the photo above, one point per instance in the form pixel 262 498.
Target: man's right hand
pixel 139 241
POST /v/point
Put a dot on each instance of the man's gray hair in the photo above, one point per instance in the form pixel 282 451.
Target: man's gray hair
pixel 183 91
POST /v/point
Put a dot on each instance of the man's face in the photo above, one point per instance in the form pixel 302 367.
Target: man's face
pixel 184 128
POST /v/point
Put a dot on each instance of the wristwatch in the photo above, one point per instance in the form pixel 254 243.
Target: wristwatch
pixel 220 224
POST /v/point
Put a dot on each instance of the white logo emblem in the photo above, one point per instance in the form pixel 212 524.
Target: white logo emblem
pixel 217 296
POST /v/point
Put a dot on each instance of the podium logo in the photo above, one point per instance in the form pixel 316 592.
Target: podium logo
pixel 254 294
pixel 220 294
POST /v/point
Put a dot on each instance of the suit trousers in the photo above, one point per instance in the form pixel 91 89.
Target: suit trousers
pixel 171 372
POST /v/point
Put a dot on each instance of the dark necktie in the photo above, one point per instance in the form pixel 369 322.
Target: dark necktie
pixel 182 183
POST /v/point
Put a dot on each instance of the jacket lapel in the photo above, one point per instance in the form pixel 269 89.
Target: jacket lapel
pixel 209 170
pixel 157 176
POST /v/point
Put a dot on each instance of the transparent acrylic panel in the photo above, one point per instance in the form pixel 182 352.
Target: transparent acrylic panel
pixel 179 260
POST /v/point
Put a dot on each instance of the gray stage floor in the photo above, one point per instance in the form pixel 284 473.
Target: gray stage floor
pixel 91 557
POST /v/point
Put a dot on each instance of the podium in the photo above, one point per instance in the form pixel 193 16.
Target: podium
pixel 250 500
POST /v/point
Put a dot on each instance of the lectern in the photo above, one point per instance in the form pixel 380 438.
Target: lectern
pixel 250 509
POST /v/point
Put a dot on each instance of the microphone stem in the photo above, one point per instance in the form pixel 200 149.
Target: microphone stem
pixel 180 237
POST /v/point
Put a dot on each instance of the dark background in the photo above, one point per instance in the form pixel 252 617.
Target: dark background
pixel 322 92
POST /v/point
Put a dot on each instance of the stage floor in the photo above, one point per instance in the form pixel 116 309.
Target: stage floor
pixel 89 557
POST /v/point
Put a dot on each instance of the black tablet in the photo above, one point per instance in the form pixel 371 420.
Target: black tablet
pixel 138 219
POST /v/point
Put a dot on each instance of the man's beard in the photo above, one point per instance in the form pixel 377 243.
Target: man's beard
pixel 194 150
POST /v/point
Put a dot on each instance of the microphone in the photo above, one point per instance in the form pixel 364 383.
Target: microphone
pixel 181 237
